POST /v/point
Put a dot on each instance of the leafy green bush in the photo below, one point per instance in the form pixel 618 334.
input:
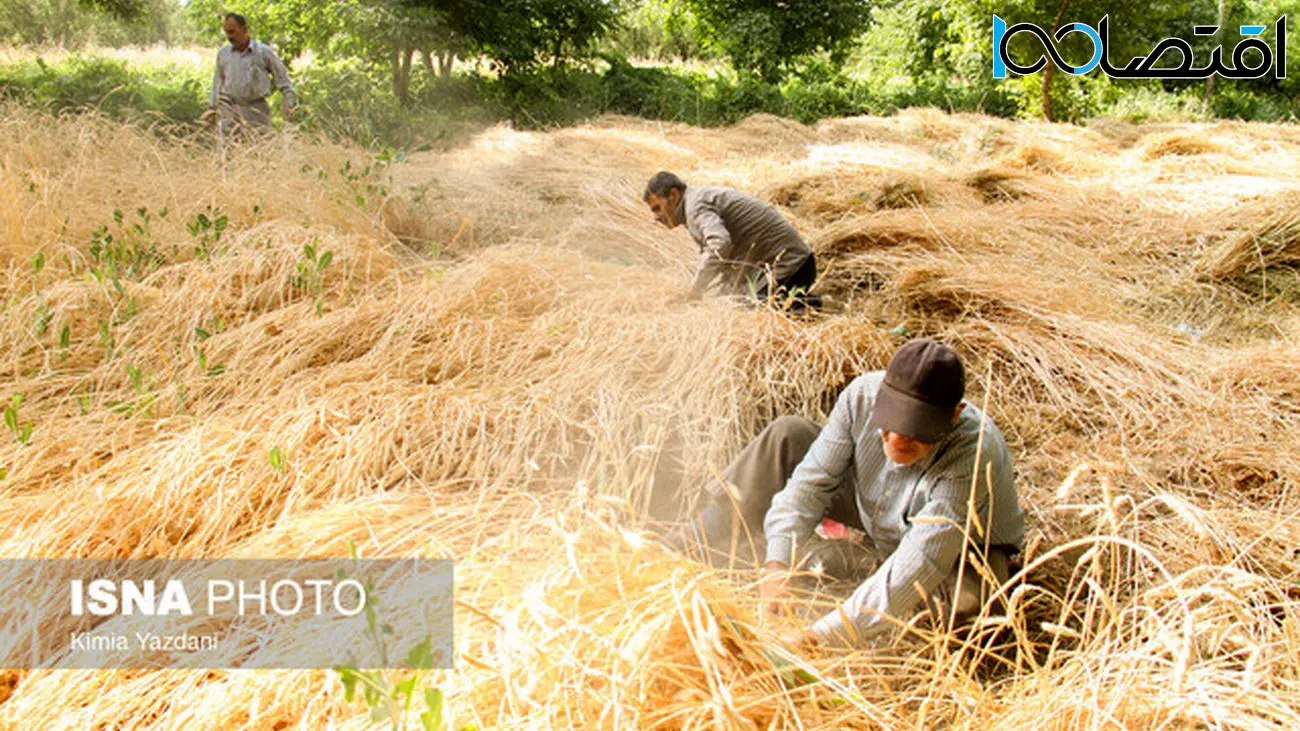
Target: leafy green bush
pixel 1232 102
pixel 76 24
pixel 347 100
pixel 1152 104
pixel 177 93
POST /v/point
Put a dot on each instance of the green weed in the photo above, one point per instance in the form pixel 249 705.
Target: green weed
pixel 277 459
pixel 128 252
pixel 311 273
pixel 22 430
pixel 206 229
pixel 390 696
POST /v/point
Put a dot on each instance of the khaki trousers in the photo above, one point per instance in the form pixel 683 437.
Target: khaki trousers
pixel 243 117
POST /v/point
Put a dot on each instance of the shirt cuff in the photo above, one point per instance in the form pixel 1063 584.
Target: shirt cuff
pixel 830 629
pixel 780 548
pixel 833 631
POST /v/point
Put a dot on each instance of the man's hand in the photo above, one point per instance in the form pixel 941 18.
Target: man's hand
pixel 772 588
pixel 798 639
pixel 681 298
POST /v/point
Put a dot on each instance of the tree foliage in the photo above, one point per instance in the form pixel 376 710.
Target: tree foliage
pixel 659 29
pixel 382 33
pixel 122 9
pixel 768 37
pixel 519 35
pixel 905 52
pixel 73 23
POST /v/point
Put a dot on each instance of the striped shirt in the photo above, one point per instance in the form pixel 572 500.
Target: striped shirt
pixel 739 236
pixel 914 514
pixel 245 76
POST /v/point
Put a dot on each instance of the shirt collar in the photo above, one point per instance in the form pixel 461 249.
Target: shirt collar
pixel 940 446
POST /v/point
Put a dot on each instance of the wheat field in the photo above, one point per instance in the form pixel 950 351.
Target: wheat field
pixel 475 354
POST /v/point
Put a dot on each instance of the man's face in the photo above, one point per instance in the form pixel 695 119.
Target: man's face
pixel 235 33
pixel 665 207
pixel 903 450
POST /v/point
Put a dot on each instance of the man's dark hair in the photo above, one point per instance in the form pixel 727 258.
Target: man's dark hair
pixel 661 183
pixel 240 20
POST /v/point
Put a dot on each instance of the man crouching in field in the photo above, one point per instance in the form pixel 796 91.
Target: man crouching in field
pixel 242 80
pixel 743 241
pixel 896 460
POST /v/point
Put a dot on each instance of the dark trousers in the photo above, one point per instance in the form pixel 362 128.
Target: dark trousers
pixel 795 287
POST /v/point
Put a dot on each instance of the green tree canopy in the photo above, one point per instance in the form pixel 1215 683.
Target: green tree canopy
pixel 769 36
pixel 70 23
pixel 519 35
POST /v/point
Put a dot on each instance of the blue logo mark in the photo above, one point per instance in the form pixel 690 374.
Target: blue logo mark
pixel 1143 67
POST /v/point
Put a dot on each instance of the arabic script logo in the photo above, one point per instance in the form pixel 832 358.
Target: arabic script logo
pixel 1144 67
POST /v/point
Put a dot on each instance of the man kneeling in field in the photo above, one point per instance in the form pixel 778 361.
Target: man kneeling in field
pixel 896 460
pixel 748 247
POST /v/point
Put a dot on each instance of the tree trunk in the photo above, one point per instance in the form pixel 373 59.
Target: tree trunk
pixel 428 61
pixel 1047 90
pixel 559 49
pixel 446 60
pixel 1209 80
pixel 408 55
pixel 1051 67
pixel 401 62
pixel 395 68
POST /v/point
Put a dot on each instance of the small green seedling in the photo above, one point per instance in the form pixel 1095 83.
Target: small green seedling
pixel 276 457
pixel 21 430
pixel 108 338
pixel 206 229
pixel 138 378
pixel 129 251
pixel 44 316
pixel 211 371
pixel 311 273
pixel 390 698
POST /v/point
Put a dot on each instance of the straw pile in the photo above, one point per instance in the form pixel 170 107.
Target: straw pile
pixel 1270 239
pixel 486 366
pixel 1179 143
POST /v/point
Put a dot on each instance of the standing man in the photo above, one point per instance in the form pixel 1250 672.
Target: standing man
pixel 898 460
pixel 242 81
pixel 745 243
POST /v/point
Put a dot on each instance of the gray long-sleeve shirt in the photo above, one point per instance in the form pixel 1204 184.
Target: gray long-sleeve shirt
pixel 915 514
pixel 739 235
pixel 245 76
